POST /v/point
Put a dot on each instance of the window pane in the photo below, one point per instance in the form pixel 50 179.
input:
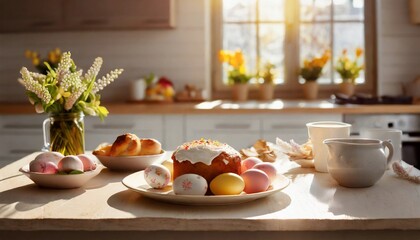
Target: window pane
pixel 239 10
pixel 348 9
pixel 348 36
pixel 315 10
pixel 314 40
pixel 241 36
pixel 272 50
pixel 271 10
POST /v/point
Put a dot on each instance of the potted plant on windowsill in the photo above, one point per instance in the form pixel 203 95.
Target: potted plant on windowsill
pixel 349 71
pixel 311 71
pixel 267 82
pixel 237 76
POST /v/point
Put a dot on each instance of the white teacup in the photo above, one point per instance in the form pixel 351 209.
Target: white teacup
pixel 318 132
pixel 386 134
pixel 357 162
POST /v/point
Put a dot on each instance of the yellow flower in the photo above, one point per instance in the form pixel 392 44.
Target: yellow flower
pixel 35 61
pixel 312 68
pixel 349 69
pixel 223 57
pixel 28 54
pixel 236 61
pixel 359 52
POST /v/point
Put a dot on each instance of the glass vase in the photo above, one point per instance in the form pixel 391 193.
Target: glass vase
pixel 65 133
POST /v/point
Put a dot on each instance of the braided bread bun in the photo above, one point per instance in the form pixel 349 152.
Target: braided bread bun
pixel 150 146
pixel 126 145
pixel 102 150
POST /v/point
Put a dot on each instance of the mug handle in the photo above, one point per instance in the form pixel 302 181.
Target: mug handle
pixel 46 146
pixel 391 151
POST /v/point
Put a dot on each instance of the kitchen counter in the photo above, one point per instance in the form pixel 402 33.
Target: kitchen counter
pixel 312 206
pixel 229 107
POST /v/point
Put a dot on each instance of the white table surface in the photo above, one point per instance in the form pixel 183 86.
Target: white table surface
pixel 313 203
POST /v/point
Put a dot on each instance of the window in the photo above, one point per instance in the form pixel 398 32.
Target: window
pixel 284 32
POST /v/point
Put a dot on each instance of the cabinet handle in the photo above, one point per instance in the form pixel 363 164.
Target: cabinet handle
pixel 42 24
pixel 22 151
pixel 104 127
pixel 284 126
pixel 232 126
pixel 24 126
pixel 152 21
pixel 94 22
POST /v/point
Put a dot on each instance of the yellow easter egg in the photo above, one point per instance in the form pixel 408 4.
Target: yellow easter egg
pixel 227 184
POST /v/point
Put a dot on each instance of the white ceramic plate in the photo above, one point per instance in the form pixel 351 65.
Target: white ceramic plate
pixel 137 183
pixel 131 163
pixel 59 180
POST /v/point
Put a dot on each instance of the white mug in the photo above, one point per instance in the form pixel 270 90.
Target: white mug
pixel 386 134
pixel 138 88
pixel 318 132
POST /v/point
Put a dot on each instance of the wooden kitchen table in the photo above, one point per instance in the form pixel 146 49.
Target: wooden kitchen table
pixel 313 206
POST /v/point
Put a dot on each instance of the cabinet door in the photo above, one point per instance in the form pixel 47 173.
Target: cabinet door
pixel 236 130
pixel 144 126
pixel 20 136
pixel 292 126
pixel 118 14
pixel 30 15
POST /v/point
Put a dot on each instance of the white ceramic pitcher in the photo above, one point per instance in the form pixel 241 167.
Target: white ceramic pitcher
pixel 357 162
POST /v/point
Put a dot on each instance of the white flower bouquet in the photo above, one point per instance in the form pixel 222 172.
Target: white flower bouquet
pixel 67 94
pixel 66 89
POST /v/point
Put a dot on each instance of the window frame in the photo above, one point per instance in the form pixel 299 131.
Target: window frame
pixel 292 88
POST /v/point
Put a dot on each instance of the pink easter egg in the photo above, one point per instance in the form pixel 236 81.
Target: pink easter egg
pixel 89 163
pixel 255 181
pixel 248 163
pixel 268 168
pixel 45 162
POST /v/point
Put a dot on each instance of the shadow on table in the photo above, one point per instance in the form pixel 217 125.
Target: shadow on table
pixel 134 203
pixel 105 177
pixel 38 197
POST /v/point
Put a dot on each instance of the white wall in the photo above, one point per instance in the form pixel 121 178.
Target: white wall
pixel 398 47
pixel 182 53
pixel 179 54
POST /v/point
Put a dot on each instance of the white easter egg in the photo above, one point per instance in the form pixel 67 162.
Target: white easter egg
pixel 190 184
pixel 157 176
pixel 70 163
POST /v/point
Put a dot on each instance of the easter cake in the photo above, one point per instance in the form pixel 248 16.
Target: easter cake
pixel 207 158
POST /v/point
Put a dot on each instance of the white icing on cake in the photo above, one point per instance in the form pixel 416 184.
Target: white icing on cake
pixel 203 151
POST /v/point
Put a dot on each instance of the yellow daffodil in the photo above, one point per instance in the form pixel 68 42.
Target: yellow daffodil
pixel 236 62
pixel 35 61
pixel 28 54
pixel 52 59
pixel 349 69
pixel 312 68
pixel 359 52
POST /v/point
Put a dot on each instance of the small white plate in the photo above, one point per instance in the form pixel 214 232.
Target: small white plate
pixel 137 183
pixel 131 163
pixel 62 181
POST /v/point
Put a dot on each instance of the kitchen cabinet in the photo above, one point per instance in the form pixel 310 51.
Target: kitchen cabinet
pixel 292 126
pixel 29 15
pixel 20 135
pixel 64 15
pixel 144 126
pixel 121 14
pixel 239 131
